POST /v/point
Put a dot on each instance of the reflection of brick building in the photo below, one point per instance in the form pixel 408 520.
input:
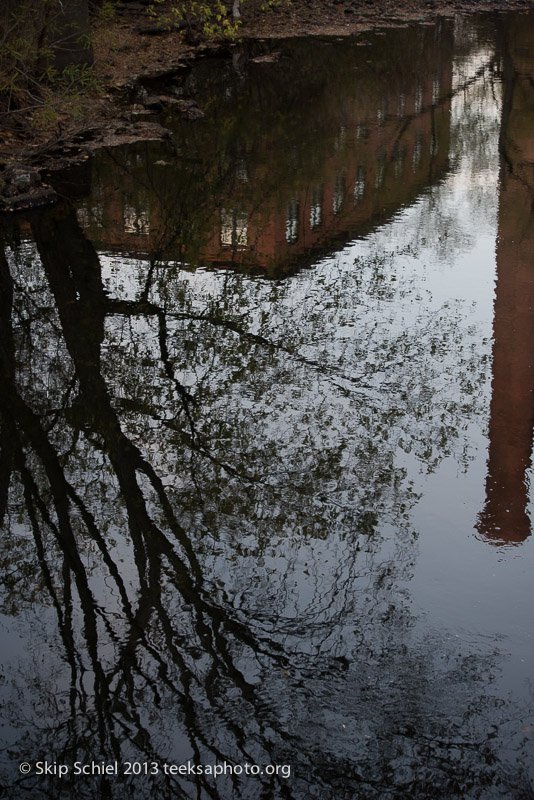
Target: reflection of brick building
pixel 378 145
pixel 380 164
pixel 505 518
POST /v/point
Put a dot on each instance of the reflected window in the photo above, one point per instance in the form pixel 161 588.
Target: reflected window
pixel 88 217
pixel 359 185
pixel 234 229
pixel 339 192
pixel 418 99
pixel 316 207
pixel 398 161
pixel 417 151
pixel 381 110
pixel 435 90
pixel 339 141
pixel 292 221
pixel 82 215
pixel 135 221
pixel 241 171
pixel 380 170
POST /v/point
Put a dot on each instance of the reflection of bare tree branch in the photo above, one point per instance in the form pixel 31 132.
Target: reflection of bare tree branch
pixel 81 303
pixel 186 633
pixel 134 308
pixel 6 442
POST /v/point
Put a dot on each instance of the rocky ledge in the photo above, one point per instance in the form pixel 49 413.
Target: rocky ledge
pixel 21 189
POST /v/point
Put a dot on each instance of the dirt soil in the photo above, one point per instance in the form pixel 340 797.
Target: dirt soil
pixel 126 54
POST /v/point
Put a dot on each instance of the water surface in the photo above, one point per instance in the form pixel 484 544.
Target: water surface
pixel 266 435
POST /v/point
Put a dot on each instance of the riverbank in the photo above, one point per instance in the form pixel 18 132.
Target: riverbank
pixel 114 111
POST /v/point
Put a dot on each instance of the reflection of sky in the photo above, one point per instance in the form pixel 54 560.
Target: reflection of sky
pixel 363 322
pixel 458 577
pixel 440 254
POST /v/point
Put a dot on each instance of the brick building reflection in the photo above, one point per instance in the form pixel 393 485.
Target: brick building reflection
pixel 505 518
pixel 378 163
pixel 378 146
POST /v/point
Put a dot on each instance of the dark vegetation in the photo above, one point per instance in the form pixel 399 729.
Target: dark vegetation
pixel 64 64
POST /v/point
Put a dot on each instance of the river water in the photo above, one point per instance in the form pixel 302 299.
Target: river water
pixel 266 432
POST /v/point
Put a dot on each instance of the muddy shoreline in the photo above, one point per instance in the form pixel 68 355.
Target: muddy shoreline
pixel 128 61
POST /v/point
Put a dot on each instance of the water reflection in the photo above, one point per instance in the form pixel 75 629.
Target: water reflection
pixel 204 485
pixel 213 565
pixel 353 155
pixel 505 518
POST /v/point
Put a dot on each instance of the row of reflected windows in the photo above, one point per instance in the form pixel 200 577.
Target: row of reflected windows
pixel 234 224
pixel 362 130
pixel 137 222
pixel 383 108
pixel 418 101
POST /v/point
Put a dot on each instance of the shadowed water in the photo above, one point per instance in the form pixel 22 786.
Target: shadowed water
pixel 266 431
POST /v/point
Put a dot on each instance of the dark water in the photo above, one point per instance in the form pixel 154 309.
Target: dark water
pixel 266 430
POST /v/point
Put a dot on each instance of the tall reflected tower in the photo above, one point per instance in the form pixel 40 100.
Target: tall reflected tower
pixel 505 518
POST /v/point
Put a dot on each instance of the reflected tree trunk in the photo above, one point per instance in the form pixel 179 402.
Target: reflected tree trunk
pixel 75 279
